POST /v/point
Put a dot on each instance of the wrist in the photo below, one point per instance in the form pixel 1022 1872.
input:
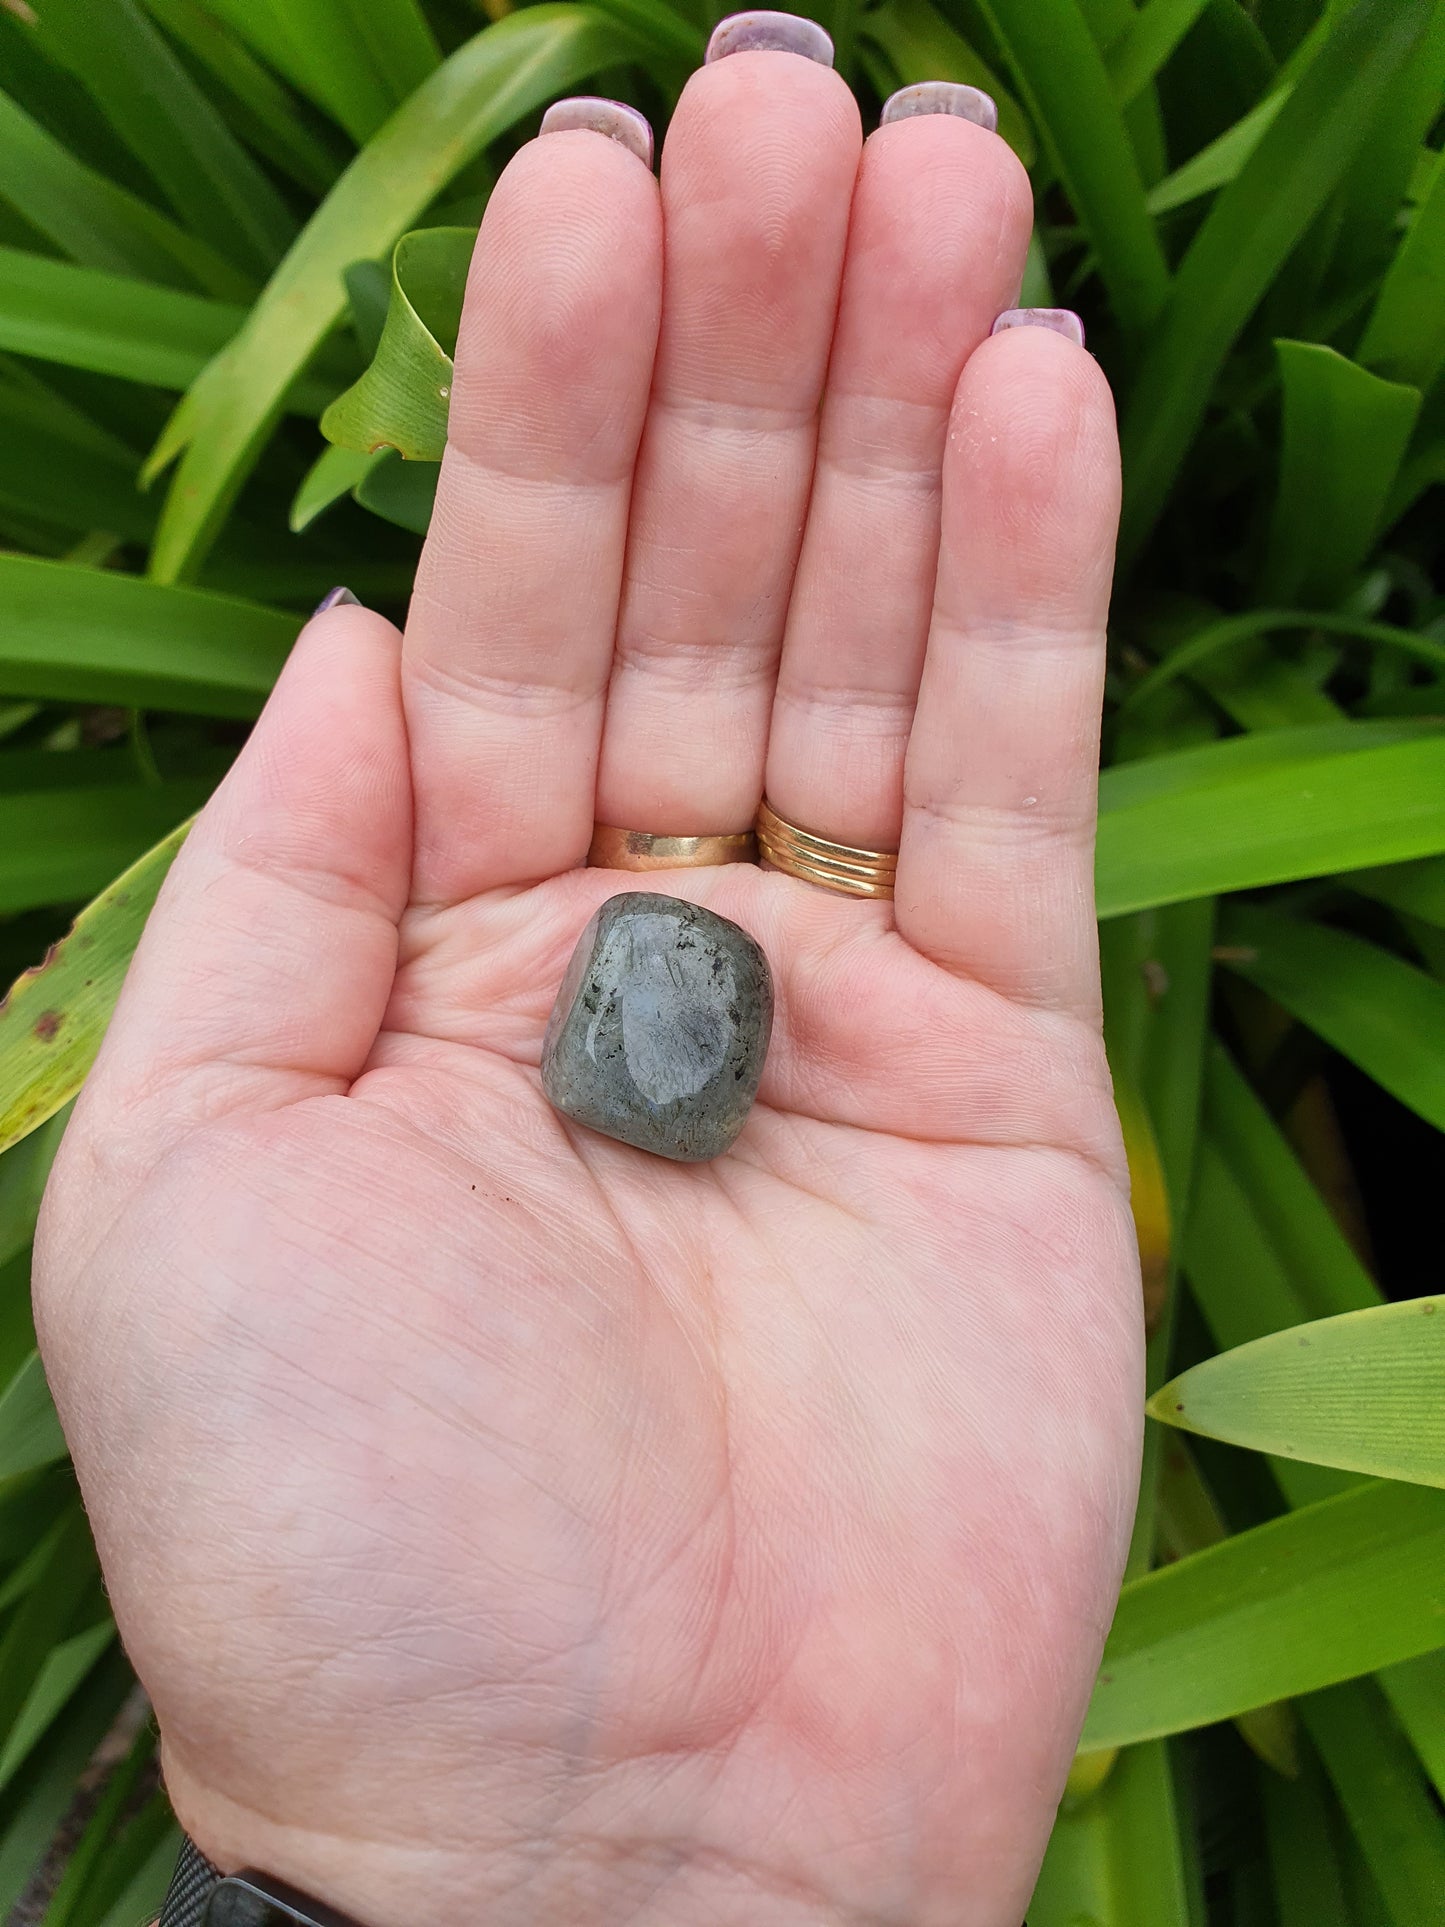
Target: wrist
pixel 586 1882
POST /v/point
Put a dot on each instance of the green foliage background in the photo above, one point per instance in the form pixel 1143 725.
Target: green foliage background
pixel 1246 199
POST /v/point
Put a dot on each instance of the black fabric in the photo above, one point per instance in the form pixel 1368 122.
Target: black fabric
pixel 190 1888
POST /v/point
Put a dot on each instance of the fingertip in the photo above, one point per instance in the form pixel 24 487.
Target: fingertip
pixel 766 99
pixel 1031 471
pixel 566 279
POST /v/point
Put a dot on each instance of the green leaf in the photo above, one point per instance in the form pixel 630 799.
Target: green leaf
pixel 481 91
pixel 1367 208
pixel 1147 43
pixel 403 398
pixel 401 492
pixel 1066 89
pixel 1243 1283
pixel 30 1434
pixel 398 37
pixel 1405 337
pixel 1386 1802
pixel 1216 165
pixel 113 324
pixel 1216 639
pixel 334 473
pixel 1248 235
pixel 316 46
pixel 1320 1273
pixel 1117 1859
pixel 1415 889
pixel 1266 808
pixel 1381 1013
pixel 54 1018
pixel 147 1888
pixel 110 323
pixel 921 45
pixel 1416 1690
pixel 1308 1880
pixel 61 1676
pixel 1361 1391
pixel 87 479
pixel 67 1572
pixel 85 1864
pixel 1324 1594
pixel 151 101
pixel 76 634
pixel 23 1173
pixel 1190 1521
pixel 1345 434
pixel 263 111
pixel 45 1788
pixel 97 223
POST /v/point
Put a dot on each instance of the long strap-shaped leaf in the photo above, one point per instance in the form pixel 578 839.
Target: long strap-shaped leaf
pixel 92 635
pixel 113 324
pixel 1323 1594
pixel 1405 337
pixel 61 846
pixel 486 86
pixel 97 222
pixel 1067 89
pixel 1119 1861
pixel 1264 809
pixel 1249 233
pixel 166 120
pixel 1379 1011
pixel 53 1020
pixel 326 49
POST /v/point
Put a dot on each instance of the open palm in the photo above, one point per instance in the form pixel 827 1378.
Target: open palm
pixel 510 1526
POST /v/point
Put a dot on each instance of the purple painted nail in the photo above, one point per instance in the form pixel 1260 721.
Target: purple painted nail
pixel 783 33
pixel 941 97
pixel 614 118
pixel 334 599
pixel 1063 321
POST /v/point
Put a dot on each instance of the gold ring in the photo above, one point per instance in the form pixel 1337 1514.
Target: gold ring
pixel 817 859
pixel 614 849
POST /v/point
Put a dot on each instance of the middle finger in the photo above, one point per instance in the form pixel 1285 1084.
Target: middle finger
pixel 757 179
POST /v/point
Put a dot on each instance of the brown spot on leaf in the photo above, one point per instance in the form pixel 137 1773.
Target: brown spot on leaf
pixel 47 1024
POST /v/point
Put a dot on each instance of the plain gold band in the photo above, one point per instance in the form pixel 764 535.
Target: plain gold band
pixel 614 849
pixel 817 859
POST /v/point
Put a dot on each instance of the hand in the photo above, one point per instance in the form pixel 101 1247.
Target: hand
pixel 509 1526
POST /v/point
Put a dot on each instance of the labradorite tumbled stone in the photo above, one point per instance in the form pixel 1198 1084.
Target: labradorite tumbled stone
pixel 660 1029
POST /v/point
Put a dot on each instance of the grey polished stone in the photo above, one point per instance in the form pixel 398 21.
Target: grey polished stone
pixel 660 1029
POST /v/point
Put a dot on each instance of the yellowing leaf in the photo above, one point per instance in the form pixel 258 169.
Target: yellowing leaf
pixel 53 1020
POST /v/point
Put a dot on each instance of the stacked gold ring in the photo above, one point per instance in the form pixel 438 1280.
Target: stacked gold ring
pixel 618 849
pixel 817 859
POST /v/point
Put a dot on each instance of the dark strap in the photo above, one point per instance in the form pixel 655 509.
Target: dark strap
pixel 190 1888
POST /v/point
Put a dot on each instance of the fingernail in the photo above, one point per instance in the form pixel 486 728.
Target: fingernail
pixel 941 97
pixel 614 118
pixel 334 599
pixel 783 33
pixel 1063 321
